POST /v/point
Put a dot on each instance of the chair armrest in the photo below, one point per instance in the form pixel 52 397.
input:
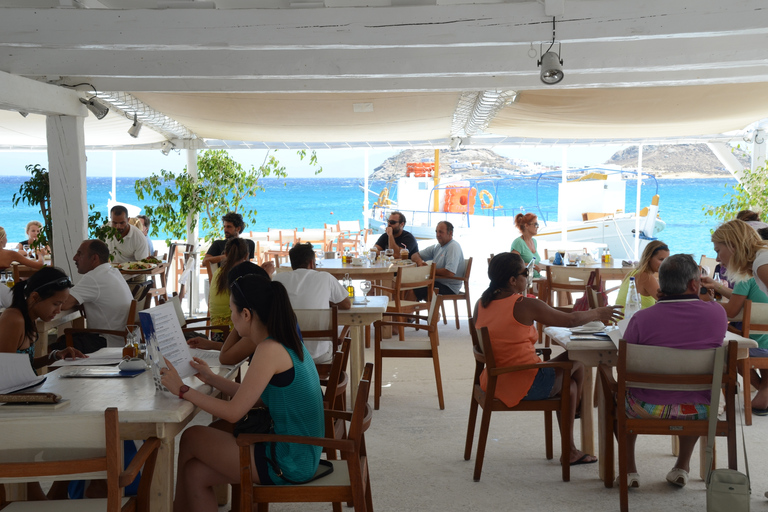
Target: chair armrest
pixel 607 380
pixel 406 315
pixel 564 365
pixel 74 330
pixel 197 320
pixel 148 448
pixel 382 288
pixel 344 445
pixel 417 327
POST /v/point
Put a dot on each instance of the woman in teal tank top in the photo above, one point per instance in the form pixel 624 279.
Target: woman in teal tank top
pixel 525 245
pixel 281 376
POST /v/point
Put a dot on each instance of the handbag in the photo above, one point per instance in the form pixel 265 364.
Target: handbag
pixel 256 421
pixel 727 489
pixel 582 303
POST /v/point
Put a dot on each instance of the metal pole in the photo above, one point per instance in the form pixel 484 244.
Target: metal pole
pixel 637 202
pixel 365 190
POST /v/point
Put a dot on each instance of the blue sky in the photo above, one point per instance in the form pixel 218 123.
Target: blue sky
pixel 336 163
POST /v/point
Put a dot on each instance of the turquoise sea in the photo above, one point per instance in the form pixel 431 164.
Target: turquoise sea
pixel 311 202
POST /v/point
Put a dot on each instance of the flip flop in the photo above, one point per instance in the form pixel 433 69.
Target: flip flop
pixel 759 412
pixel 584 460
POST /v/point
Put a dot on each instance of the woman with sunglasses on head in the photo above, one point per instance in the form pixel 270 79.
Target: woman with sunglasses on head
pixel 282 376
pixel 645 276
pixel 525 245
pixel 40 296
pixel 509 316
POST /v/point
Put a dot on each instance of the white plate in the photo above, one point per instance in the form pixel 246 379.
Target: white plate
pixel 589 328
pixel 123 267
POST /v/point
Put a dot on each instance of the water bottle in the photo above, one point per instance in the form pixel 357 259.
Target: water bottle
pixel 632 305
pixel 718 281
pixel 531 270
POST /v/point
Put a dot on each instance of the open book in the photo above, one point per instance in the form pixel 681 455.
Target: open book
pixel 16 373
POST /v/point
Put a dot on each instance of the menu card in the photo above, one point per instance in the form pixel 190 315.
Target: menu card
pixel 160 323
pixel 16 373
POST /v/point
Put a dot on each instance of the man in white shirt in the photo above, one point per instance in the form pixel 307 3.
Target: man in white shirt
pixel 104 295
pixel 448 259
pixel 310 289
pixel 132 246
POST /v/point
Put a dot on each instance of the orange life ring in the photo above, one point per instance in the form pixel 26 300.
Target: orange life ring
pixel 486 199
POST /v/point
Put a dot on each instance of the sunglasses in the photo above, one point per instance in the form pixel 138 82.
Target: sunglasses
pixel 62 281
pixel 236 286
pixel 524 273
pixel 534 224
pixel 393 222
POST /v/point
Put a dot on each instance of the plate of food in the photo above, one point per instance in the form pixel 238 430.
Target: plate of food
pixel 590 328
pixel 151 259
pixel 135 266
pixel 405 263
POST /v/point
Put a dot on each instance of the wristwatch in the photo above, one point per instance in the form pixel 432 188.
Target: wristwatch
pixel 183 389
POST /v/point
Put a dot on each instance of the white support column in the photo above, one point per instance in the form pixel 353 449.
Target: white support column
pixel 365 190
pixel 637 202
pixel 194 281
pixel 66 168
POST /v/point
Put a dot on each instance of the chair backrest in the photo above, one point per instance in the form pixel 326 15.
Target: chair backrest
pixel 484 344
pixel 330 400
pixel 351 226
pixel 319 324
pixel 562 278
pixel 91 449
pixel 434 308
pixel 664 368
pixel 467 271
pixel 140 292
pixel 409 278
pixel 754 318
pixel 593 297
pixel 710 263
pixel 361 411
pixel 179 312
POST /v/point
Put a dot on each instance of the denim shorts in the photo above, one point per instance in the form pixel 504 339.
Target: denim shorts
pixel 542 384
pixel 758 352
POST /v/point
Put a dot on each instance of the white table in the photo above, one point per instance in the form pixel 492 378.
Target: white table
pixel 142 412
pixel 357 318
pixel 594 352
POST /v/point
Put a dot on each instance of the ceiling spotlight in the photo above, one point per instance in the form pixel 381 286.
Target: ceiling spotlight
pixel 166 147
pixel 134 130
pixel 23 114
pixel 455 143
pixel 551 63
pixel 96 106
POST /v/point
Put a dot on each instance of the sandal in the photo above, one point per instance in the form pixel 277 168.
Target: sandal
pixel 633 480
pixel 678 477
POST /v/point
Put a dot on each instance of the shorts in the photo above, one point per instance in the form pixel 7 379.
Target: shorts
pixel 640 410
pixel 758 352
pixel 85 342
pixel 440 288
pixel 541 389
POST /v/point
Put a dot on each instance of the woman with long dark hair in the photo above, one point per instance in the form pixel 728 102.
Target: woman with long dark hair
pixel 282 376
pixel 235 252
pixel 509 316
pixel 40 296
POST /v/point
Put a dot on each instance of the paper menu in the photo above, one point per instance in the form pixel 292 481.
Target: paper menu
pixel 162 323
pixel 16 373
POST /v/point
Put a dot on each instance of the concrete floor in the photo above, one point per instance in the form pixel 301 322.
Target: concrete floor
pixel 416 452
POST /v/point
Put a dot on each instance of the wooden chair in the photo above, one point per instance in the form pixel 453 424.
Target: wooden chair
pixel 754 321
pixel 284 238
pixel 333 399
pixel 409 348
pixel 91 450
pixel 484 359
pixel 186 323
pixel 21 272
pixel 409 278
pixel 316 237
pixel 350 480
pixel 321 324
pixel 710 263
pixel 562 281
pixel 652 367
pixel 459 296
pixel 141 293
pixel 132 318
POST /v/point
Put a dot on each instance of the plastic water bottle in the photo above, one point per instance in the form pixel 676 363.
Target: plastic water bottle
pixel 531 270
pixel 632 305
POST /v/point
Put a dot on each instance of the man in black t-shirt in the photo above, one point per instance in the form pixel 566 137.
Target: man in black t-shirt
pixel 233 226
pixel 396 237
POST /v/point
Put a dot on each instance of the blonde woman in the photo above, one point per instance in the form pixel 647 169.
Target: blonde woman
pixel 645 275
pixel 741 250
pixel 34 228
pixel 8 257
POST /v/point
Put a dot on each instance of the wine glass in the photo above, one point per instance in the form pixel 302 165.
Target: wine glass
pixel 365 287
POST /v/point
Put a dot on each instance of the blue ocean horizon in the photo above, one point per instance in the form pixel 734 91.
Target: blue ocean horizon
pixel 312 202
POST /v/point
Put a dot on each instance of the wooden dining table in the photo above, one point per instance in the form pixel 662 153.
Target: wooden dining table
pixel 143 413
pixel 592 352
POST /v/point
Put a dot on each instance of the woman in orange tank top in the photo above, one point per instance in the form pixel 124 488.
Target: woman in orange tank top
pixel 509 317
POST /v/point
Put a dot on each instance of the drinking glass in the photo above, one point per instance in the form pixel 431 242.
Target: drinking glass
pixel 365 287
pixel 390 254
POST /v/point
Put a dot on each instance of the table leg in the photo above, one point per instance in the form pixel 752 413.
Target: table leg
pixel 587 415
pixel 161 499
pixel 605 451
pixel 356 358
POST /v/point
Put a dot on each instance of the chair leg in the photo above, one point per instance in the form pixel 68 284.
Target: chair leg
pixel 469 305
pixel 377 368
pixel 548 435
pixel 442 310
pixel 623 487
pixel 745 367
pixel 485 423
pixel 470 427
pixel 456 312
pixel 438 378
pixel 368 336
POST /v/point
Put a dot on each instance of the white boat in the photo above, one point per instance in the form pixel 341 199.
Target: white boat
pixel 591 210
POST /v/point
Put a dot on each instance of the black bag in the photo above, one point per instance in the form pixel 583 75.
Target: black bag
pixel 256 421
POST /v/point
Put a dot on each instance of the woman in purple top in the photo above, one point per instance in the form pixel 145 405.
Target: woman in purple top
pixel 680 319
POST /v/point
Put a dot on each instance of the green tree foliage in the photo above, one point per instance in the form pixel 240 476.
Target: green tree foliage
pixel 222 186
pixel 750 193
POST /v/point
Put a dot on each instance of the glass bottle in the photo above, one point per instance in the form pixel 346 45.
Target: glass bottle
pixel 718 281
pixel 348 286
pixel 632 305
